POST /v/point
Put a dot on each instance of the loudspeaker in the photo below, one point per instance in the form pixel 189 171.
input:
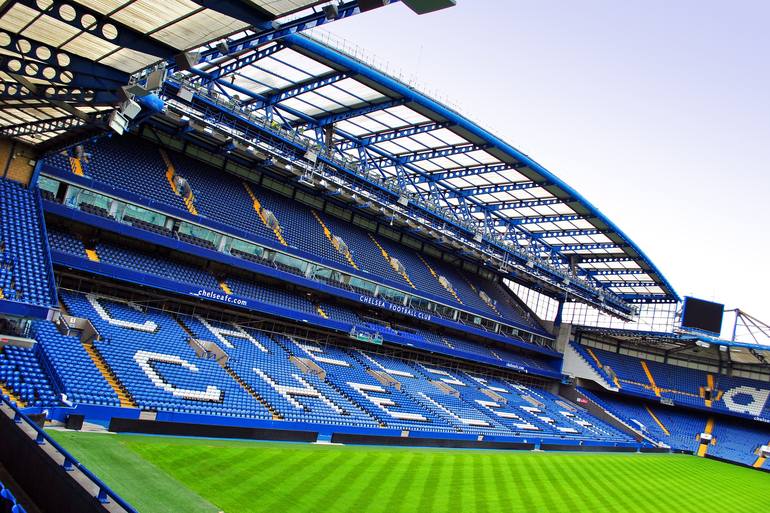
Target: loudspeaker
pixel 368 5
pixel 185 60
pixel 331 11
pixel 155 80
pixel 74 422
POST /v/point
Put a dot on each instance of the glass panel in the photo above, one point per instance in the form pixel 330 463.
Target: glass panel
pixel 48 184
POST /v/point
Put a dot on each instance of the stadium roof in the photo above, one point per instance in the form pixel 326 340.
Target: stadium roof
pixel 62 63
pixel 392 131
pixel 689 344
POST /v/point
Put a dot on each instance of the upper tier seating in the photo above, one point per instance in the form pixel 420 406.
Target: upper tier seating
pixel 222 197
pixel 24 268
pixel 503 301
pixel 416 269
pixel 684 385
pixel 125 163
pixel 157 265
pixel 363 251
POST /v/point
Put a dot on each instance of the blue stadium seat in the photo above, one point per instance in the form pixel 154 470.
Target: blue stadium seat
pixel 25 272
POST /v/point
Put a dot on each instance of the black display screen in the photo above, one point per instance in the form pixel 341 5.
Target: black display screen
pixel 702 315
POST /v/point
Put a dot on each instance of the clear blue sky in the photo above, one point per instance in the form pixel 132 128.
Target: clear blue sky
pixel 657 111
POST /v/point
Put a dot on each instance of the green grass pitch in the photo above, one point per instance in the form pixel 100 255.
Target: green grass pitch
pixel 163 474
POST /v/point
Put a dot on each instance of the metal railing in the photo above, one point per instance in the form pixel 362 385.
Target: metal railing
pixel 104 494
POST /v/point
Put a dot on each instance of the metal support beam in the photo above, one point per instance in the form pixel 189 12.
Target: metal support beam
pixel 581 247
pixel 232 66
pixel 616 272
pixel 389 135
pixel 494 189
pixel 566 233
pixel 257 38
pixel 440 152
pixel 125 36
pixel 15 91
pixel 242 11
pixel 512 205
pixel 298 89
pixel 472 171
pixel 519 221
pixel 355 112
pixel 41 127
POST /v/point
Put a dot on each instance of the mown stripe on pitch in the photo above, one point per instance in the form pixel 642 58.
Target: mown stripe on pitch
pixel 302 476
pixel 343 482
pixel 381 466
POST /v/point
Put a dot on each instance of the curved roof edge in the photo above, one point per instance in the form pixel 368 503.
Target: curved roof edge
pixel 410 94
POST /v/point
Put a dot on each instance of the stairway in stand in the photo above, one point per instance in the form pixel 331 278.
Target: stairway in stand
pixel 126 401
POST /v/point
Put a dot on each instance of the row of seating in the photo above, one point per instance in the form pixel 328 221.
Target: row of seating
pixel 22 372
pixel 226 199
pixel 157 265
pixel 25 274
pixel 684 386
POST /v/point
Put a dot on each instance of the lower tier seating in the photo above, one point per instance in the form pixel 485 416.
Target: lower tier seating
pixel 184 364
pixel 733 439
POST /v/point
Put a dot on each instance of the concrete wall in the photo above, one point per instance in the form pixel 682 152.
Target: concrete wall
pixel 17 161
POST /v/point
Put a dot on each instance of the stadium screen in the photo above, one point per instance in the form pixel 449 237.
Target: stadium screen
pixel 702 315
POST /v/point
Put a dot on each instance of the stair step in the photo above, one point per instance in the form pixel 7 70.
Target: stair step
pixel 126 401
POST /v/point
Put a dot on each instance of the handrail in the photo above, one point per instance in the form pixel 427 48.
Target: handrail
pixel 105 493
pixel 46 246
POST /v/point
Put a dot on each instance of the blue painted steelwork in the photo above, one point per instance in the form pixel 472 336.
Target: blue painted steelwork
pixel 293 146
pixel 389 135
pixel 254 39
pixel 296 90
pixel 43 126
pixel 240 62
pixel 307 46
pixel 355 112
pixel 510 205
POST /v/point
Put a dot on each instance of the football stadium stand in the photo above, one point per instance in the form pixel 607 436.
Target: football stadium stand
pixel 26 275
pixel 681 385
pixel 269 238
pixel 162 362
